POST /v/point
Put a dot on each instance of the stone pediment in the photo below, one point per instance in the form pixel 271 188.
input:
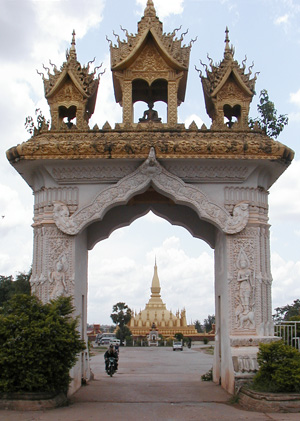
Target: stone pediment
pixel 66 77
pixel 150 60
pixel 231 78
pixel 150 37
pixel 151 173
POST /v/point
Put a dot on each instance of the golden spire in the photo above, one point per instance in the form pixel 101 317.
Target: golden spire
pixel 228 53
pixel 73 49
pixel 155 288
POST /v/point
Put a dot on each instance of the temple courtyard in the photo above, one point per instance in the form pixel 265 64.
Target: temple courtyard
pixel 151 384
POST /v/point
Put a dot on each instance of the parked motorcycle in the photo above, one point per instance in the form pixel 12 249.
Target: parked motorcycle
pixel 111 366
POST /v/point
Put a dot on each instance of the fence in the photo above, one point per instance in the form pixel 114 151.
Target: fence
pixel 289 332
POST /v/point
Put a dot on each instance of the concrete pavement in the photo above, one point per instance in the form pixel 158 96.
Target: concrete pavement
pixel 151 384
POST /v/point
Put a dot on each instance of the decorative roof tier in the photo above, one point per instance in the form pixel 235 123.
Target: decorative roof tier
pixel 171 47
pixel 150 66
pixel 228 90
pixel 71 91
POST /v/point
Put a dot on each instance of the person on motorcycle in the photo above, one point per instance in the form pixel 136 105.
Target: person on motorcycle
pixel 111 353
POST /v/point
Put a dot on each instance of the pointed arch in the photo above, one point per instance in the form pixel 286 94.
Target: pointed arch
pixel 151 173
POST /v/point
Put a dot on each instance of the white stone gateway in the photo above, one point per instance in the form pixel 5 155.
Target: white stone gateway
pixel 214 182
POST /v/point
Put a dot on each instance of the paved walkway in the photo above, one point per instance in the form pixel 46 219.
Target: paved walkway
pixel 151 384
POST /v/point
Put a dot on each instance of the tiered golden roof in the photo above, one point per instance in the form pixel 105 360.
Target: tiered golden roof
pixel 71 91
pixel 228 90
pixel 150 66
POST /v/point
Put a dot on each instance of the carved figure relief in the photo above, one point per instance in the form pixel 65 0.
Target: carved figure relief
pixel 245 316
pixel 57 278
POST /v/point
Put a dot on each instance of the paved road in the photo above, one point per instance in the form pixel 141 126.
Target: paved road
pixel 151 384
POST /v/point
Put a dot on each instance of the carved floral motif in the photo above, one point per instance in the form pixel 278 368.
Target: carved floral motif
pixel 136 144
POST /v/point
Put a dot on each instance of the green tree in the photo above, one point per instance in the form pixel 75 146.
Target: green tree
pixel 121 316
pixel 279 368
pixel 179 336
pixel 39 344
pixel 41 123
pixel 198 326
pixel 5 289
pixel 9 286
pixel 208 323
pixel 268 121
pixel 287 312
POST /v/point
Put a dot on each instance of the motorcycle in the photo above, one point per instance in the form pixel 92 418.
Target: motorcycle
pixel 111 366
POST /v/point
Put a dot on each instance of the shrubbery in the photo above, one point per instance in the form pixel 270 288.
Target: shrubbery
pixel 39 344
pixel 279 370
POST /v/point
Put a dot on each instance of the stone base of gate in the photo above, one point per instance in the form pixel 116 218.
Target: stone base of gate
pixel 244 357
pixel 32 401
pixel 268 402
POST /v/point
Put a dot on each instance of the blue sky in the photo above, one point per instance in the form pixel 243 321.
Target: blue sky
pixel 121 268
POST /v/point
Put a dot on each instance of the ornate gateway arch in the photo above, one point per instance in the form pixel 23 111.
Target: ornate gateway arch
pixel 214 182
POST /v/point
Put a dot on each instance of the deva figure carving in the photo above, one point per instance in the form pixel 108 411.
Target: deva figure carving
pixel 58 278
pixel 246 292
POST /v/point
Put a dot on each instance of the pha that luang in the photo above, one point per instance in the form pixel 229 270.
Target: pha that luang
pixel 156 315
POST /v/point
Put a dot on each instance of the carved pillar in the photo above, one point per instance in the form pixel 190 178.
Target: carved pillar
pixel 249 297
pixel 127 102
pixel 249 275
pixel 172 103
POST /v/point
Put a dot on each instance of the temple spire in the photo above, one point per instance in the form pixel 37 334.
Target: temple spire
pixel 228 50
pixel 155 288
pixel 73 43
pixel 150 9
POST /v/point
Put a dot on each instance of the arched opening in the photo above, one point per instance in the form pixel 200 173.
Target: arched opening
pixel 154 96
pixel 121 269
pixel 67 115
pixel 231 114
pixel 140 107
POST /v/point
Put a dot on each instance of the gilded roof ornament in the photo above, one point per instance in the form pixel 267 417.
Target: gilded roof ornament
pixel 150 9
pixel 215 75
pixel 150 23
pixel 80 75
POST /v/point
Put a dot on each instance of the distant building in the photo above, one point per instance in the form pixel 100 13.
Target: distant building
pixel 155 315
pixel 93 332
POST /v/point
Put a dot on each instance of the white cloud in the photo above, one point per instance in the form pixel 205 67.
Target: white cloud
pixel 165 8
pixel 295 98
pixel 286 275
pixel 282 19
pixel 114 276
pixel 106 107
pixel 285 194
pixel 193 117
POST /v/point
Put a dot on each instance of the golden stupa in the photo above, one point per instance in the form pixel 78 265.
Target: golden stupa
pixel 156 316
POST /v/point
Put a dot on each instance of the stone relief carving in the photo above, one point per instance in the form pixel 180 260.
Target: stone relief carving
pixel 136 143
pixel 151 172
pixel 44 199
pixel 243 280
pixel 245 364
pixel 245 316
pixel 52 269
pixel 197 172
pixel 57 278
pixel 95 173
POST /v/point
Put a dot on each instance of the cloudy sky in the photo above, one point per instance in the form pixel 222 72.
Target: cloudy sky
pixel 121 267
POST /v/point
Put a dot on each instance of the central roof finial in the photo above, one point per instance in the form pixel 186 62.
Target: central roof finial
pixel 228 50
pixel 73 43
pixel 150 9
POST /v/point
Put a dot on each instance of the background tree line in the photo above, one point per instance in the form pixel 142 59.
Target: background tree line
pixel 10 286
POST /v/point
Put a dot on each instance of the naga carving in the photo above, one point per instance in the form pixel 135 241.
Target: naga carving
pixel 151 172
